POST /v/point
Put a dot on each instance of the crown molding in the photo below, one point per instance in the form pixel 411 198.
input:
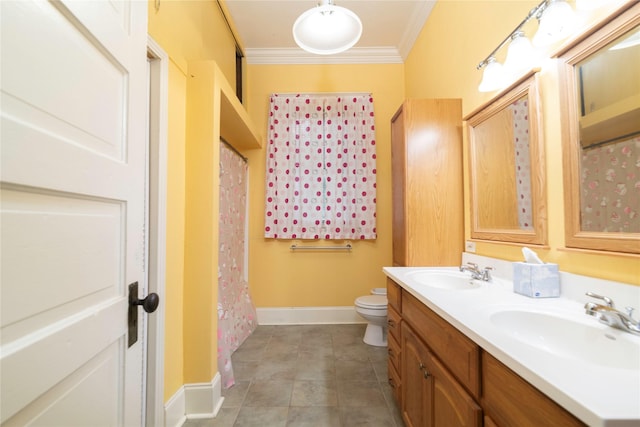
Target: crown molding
pixel 419 18
pixel 380 55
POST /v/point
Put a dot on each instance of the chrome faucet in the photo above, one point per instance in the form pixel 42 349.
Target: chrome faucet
pixel 609 315
pixel 476 273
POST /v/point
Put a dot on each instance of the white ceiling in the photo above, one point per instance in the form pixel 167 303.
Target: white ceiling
pixel 390 27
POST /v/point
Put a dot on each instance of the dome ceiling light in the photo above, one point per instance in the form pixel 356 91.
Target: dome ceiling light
pixel 327 29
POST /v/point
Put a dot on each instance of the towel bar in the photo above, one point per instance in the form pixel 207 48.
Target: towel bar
pixel 346 247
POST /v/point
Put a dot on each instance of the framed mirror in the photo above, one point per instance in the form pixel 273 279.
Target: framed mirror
pixel 600 100
pixel 506 167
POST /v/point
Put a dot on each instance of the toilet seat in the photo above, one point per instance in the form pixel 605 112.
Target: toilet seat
pixel 374 302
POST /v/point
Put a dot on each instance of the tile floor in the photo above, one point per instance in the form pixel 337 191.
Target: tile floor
pixel 307 375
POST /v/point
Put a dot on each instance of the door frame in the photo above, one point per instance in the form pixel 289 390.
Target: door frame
pixel 157 196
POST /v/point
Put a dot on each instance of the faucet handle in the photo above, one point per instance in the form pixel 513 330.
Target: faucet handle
pixel 486 273
pixel 607 300
pixel 629 311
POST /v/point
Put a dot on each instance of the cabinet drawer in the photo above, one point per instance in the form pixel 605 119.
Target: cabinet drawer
pixel 395 355
pixel 457 352
pixel 532 408
pixel 394 382
pixel 394 295
pixel 393 323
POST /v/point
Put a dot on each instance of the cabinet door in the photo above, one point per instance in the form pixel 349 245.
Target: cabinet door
pixel 431 396
pixel 416 392
pixel 452 405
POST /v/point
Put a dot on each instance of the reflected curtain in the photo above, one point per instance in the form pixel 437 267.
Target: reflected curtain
pixel 610 183
pixel 520 110
pixel 236 312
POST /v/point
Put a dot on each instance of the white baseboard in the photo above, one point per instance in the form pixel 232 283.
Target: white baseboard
pixel 194 401
pixel 307 315
pixel 174 409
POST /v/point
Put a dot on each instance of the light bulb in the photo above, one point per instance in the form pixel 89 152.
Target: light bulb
pixel 557 22
pixel 493 76
pixel 521 56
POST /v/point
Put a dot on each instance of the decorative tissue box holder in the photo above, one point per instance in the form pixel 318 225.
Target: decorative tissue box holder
pixel 536 280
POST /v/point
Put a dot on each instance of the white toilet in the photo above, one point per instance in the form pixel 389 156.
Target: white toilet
pixel 374 309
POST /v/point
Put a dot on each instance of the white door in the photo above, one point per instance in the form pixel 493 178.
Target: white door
pixel 72 226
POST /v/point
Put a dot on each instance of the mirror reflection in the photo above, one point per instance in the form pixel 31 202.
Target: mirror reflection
pixel 609 130
pixel 600 105
pixel 506 167
pixel 502 162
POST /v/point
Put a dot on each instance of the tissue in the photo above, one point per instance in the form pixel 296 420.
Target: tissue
pixel 534 278
pixel 531 257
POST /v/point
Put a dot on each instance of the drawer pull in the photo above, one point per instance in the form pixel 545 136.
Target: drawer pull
pixel 390 352
pixel 392 383
pixel 426 374
pixel 391 323
pixel 421 366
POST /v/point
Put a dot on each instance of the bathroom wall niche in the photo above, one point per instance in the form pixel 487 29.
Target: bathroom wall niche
pixel 506 167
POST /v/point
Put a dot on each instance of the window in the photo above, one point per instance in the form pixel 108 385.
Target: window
pixel 321 167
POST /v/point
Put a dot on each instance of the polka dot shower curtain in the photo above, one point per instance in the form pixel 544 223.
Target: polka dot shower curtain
pixel 520 110
pixel 236 312
pixel 321 167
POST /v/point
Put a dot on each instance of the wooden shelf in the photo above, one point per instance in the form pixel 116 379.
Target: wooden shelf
pixel 236 127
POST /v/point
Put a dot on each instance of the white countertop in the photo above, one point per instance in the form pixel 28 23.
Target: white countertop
pixel 598 395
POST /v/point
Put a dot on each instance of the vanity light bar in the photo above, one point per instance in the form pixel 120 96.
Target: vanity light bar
pixel 535 12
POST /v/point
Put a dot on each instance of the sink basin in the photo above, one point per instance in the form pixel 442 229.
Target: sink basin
pixel 569 338
pixel 444 279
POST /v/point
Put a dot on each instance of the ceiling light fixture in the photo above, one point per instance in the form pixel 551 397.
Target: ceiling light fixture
pixel 327 29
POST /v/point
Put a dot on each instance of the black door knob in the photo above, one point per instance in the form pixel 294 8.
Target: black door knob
pixel 150 303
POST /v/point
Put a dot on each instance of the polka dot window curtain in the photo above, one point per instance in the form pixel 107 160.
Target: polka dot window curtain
pixel 321 167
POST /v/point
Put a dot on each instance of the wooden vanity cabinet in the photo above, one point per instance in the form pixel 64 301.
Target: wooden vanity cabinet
pixel 439 370
pixel 431 396
pixel 460 354
pixel 442 378
pixel 509 400
pixel 427 189
pixel 394 347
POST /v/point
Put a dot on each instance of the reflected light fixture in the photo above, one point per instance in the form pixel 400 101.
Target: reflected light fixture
pixel 327 29
pixel 629 41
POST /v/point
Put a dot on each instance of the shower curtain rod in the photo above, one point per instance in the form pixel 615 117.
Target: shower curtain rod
pixel 244 159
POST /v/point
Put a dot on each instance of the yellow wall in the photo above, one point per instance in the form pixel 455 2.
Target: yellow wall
pixel 174 290
pixel 277 276
pixel 457 53
pixel 190 30
pixel 193 30
pixel 442 64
